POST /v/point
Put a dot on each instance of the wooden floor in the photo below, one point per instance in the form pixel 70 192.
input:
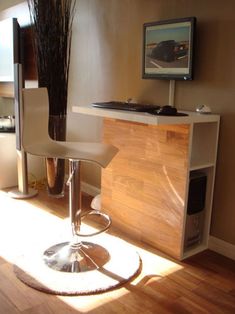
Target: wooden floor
pixel 202 284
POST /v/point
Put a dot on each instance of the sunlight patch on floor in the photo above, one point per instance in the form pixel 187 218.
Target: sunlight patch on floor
pixel 25 226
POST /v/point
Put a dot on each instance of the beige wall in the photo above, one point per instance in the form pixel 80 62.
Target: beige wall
pixel 106 64
pixel 4 4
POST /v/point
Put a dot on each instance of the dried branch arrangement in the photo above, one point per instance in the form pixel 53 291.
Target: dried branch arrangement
pixel 52 32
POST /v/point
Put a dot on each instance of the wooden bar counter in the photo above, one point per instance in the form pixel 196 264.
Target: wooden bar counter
pixel 145 188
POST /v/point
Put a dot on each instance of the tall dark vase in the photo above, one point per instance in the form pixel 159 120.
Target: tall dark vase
pixel 55 167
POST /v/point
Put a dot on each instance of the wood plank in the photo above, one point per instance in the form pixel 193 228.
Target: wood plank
pixel 143 189
pixel 185 305
pixel 212 271
pixel 28 58
pixel 6 307
pixel 190 295
pixel 22 296
pixel 214 295
pixel 6 89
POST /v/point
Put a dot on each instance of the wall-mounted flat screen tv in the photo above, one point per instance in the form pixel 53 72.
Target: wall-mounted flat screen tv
pixel 168 49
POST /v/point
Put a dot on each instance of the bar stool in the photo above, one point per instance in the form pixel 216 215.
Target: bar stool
pixel 75 255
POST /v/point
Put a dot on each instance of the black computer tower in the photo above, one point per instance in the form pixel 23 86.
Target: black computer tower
pixel 195 208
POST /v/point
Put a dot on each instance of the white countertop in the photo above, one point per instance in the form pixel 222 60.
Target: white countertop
pixel 146 118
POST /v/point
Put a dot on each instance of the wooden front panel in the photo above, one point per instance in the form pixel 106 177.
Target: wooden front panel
pixel 143 188
pixel 28 54
pixel 6 89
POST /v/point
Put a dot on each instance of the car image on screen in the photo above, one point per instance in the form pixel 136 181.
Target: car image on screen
pixel 169 50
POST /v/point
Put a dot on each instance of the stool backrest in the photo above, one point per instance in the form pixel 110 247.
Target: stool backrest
pixel 36 140
pixel 35 116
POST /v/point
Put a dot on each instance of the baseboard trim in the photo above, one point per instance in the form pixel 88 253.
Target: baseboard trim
pixel 222 247
pixel 90 189
pixel 87 188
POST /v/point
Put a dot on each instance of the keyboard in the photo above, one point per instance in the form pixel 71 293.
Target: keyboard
pixel 118 105
pixel 152 109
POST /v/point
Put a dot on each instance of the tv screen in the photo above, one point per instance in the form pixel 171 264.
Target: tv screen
pixel 168 49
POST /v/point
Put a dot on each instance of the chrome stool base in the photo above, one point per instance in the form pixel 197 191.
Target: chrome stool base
pixel 76 258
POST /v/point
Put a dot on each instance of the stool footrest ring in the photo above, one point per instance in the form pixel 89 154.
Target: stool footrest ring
pixel 96 213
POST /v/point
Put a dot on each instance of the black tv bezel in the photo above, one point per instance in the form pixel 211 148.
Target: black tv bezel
pixel 171 76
